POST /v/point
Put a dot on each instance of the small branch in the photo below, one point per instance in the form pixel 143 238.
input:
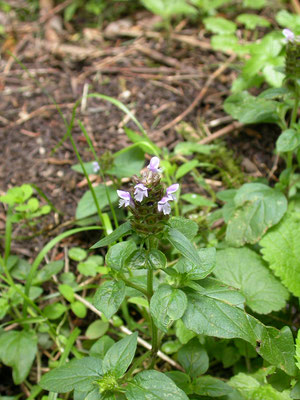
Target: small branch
pixel 125 330
pixel 221 132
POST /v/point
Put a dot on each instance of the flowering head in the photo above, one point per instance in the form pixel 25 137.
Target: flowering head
pixel 292 58
pixel 148 200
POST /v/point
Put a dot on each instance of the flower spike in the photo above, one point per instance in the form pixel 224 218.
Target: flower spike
pixel 154 164
pixel 164 206
pixel 140 191
pixel 172 189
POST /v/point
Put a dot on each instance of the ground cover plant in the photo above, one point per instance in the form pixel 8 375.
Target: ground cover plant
pixel 175 273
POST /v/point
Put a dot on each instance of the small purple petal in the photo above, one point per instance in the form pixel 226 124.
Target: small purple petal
pixel 96 166
pixel 154 164
pixel 125 198
pixel 164 206
pixel 289 35
pixel 140 191
pixel 172 189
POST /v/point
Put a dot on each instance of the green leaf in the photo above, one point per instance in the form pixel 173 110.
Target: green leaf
pixel 251 110
pixel 224 42
pixel 210 386
pixel 150 385
pixel 67 291
pixel 167 305
pixel 86 205
pixel 102 345
pixel 289 140
pixel 137 260
pixel 289 20
pixel 219 25
pixel 127 162
pixel 46 272
pixel 109 297
pixel 114 236
pixel 77 374
pixel 256 4
pixel 96 329
pixel 298 350
pixel 183 245
pixel 18 350
pixel 280 248
pixel 120 355
pixel 189 148
pixel 186 226
pixel 194 359
pixel 167 9
pixel 245 270
pixel 257 208
pixel 54 310
pixel 186 168
pixel 277 347
pixel 182 380
pixel 118 254
pixel 157 259
pixel 197 200
pixel 198 271
pixel 77 253
pixel 184 335
pixel 145 143
pixel 79 309
pixel 251 21
pixel 215 317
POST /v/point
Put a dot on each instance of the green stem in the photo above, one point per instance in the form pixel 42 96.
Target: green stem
pixel 295 108
pixel 135 365
pixel 133 285
pixel 152 243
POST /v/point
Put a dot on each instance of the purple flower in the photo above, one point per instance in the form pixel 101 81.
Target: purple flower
pixel 96 166
pixel 289 35
pixel 140 191
pixel 154 164
pixel 125 198
pixel 164 206
pixel 172 189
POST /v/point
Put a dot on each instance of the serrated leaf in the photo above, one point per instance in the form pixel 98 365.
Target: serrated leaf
pixel 277 347
pixel 109 297
pixel 77 374
pixel 120 355
pixel 18 350
pixel 215 317
pixel 280 248
pixel 167 305
pixel 245 270
pixel 150 385
pixel 186 226
pixel 114 236
pixel 194 359
pixel 257 208
pixel 248 109
pixel 183 245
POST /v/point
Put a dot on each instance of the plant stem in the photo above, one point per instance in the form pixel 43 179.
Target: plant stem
pixel 152 243
pixel 133 285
